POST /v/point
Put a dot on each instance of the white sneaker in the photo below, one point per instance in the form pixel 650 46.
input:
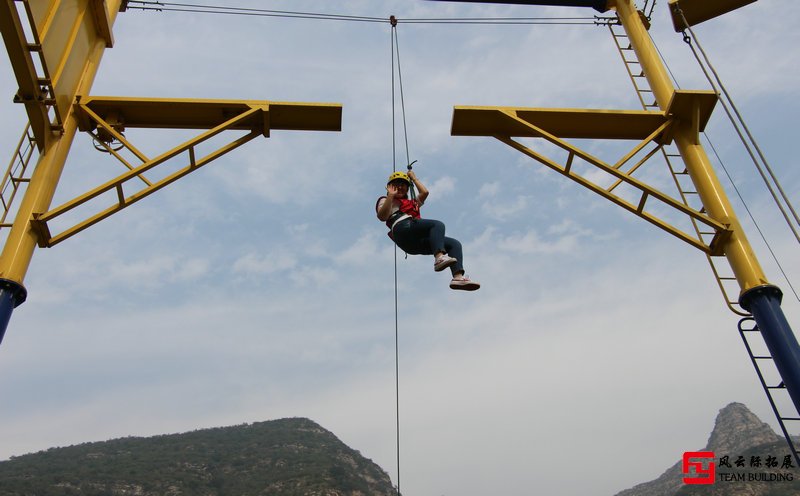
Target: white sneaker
pixel 442 262
pixel 463 283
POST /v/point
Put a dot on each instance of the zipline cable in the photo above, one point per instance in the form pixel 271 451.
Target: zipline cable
pixel 245 11
pixel 689 41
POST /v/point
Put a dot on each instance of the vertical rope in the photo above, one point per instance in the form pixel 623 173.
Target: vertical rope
pixel 393 20
pixel 402 99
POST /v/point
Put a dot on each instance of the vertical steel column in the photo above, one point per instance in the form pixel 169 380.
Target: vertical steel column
pixel 757 295
pixel 764 302
pixel 21 242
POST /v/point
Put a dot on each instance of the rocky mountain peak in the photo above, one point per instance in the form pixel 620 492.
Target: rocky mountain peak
pixel 737 429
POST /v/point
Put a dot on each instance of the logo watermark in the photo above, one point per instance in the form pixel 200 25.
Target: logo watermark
pixel 703 467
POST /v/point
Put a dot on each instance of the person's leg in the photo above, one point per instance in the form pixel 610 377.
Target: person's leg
pixel 453 248
pixel 424 237
pixel 433 232
pixel 412 238
pixel 460 281
pixel 421 236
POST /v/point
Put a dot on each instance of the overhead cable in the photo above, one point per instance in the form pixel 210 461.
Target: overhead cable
pixel 245 11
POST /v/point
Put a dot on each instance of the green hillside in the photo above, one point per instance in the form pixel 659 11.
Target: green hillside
pixel 287 457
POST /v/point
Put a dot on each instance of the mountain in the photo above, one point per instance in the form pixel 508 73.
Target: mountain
pixel 738 435
pixel 293 457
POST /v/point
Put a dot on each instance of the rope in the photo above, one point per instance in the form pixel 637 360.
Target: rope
pixel 395 49
pixel 739 118
pixel 393 40
pixel 688 41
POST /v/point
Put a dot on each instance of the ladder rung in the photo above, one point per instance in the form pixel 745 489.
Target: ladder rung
pixel 767 357
pixel 790 418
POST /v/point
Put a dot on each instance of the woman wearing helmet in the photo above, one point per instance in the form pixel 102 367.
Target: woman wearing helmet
pixel 418 236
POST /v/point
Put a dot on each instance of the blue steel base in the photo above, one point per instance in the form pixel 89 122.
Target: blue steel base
pixel 764 302
pixel 12 295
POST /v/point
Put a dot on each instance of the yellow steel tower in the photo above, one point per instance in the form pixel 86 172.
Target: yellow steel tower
pixel 680 117
pixel 55 48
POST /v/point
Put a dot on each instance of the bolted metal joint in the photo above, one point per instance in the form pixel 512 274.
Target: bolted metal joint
pixel 15 290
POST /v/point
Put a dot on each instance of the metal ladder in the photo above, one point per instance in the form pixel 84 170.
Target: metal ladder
pixel 17 175
pixel 748 326
pixel 722 271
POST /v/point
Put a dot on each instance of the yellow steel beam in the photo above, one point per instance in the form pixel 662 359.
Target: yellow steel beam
pixel 565 123
pixel 697 11
pixel 205 114
pixel 102 21
pixel 694 106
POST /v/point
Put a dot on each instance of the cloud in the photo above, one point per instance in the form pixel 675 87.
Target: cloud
pixel 443 186
pixel 257 263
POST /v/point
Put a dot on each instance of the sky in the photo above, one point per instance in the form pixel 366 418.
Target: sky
pixel 596 352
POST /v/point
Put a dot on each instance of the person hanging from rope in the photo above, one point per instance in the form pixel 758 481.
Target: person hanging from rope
pixel 418 236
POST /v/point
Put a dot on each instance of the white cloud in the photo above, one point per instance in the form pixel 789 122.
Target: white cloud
pixel 258 263
pixel 489 189
pixel 505 209
pixel 443 186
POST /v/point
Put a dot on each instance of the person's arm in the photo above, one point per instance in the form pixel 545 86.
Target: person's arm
pixel 385 209
pixel 422 191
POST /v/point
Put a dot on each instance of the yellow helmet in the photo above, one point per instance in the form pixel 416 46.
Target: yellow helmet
pixel 398 175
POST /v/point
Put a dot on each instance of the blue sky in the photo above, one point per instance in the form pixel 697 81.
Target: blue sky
pixel 597 351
